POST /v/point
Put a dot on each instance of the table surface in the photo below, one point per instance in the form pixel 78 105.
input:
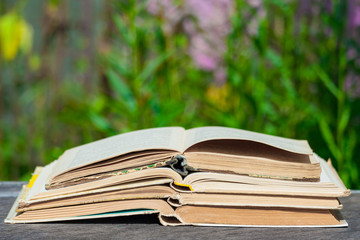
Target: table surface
pixel 148 227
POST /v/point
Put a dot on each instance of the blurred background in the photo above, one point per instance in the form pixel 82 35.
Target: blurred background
pixel 72 72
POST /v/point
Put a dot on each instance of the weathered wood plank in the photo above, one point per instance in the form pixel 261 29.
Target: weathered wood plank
pixel 148 227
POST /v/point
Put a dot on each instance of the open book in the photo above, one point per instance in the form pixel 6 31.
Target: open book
pixel 196 181
pixel 206 149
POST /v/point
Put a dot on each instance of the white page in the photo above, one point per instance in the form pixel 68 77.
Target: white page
pixel 171 138
pixel 327 175
pixel 42 178
pixel 201 134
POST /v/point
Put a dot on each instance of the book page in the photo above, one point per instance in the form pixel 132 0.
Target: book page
pixel 169 138
pixel 201 134
pixel 39 184
pixel 329 174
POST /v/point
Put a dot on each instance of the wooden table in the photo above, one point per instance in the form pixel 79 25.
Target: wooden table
pixel 148 227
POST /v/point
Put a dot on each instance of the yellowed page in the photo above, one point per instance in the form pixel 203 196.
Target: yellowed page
pixel 201 134
pixel 170 138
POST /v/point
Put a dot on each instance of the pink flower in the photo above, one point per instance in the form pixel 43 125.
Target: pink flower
pixel 203 60
pixel 207 29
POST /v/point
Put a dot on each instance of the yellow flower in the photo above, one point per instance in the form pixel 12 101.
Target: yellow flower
pixel 219 95
pixel 15 35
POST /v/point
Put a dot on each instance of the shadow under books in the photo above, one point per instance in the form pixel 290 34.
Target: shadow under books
pixel 135 219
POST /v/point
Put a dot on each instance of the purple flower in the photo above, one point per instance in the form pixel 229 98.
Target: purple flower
pixel 255 3
pixel 220 76
pixel 203 60
pixel 206 23
pixel 352 85
pixel 254 21
pixel 351 53
pixel 353 16
pixel 356 17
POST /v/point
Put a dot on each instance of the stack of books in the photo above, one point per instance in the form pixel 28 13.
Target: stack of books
pixel 207 176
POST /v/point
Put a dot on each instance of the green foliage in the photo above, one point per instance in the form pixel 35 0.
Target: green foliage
pixel 287 79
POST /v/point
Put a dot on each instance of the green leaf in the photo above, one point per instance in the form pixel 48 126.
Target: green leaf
pixel 100 122
pixel 26 176
pixel 122 90
pixel 152 66
pixel 344 119
pixel 274 58
pixel 327 81
pixel 349 146
pixel 119 23
pixel 329 138
pixel 118 65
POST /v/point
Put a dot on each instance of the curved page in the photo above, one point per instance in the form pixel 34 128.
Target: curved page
pixel 170 138
pixel 196 135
